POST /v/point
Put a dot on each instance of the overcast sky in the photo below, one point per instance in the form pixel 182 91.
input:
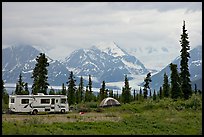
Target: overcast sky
pixel 60 28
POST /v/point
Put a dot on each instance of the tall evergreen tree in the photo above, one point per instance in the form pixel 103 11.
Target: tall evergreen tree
pixel 147 80
pixel 166 86
pixel 175 82
pixel 102 91
pixel 87 95
pixel 185 55
pixel 160 93
pixel 196 89
pixel 126 95
pixel 71 89
pixel 26 89
pixel 63 89
pixel 154 95
pixel 81 90
pixel 40 75
pixel 134 97
pixel 110 93
pixel 140 96
pixel 90 89
pixel 20 85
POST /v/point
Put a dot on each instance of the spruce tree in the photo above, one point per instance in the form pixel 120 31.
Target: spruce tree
pixel 26 89
pixel 63 89
pixel 81 90
pixel 185 55
pixel 71 89
pixel 154 95
pixel 175 82
pixel 40 75
pixel 147 80
pixel 134 94
pixel 160 93
pixel 90 88
pixel 166 86
pixel 140 96
pixel 126 95
pixel 102 91
pixel 110 93
pixel 52 91
pixel 87 98
pixel 20 85
pixel 196 89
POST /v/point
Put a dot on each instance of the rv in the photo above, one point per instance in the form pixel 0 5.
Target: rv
pixel 38 103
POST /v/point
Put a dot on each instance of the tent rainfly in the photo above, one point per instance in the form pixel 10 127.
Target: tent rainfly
pixel 106 102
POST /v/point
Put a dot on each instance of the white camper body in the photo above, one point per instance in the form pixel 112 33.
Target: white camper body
pixel 38 103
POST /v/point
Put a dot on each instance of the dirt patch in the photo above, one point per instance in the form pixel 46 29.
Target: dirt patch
pixel 58 118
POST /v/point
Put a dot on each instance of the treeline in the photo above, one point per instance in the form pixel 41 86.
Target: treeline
pixel 178 87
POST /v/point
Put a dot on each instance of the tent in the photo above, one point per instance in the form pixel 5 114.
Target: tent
pixel 106 102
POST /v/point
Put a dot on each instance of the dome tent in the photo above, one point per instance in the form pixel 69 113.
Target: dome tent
pixel 106 102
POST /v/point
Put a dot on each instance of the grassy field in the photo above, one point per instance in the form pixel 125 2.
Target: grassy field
pixel 161 117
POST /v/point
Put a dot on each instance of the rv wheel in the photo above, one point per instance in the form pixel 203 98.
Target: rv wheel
pixel 35 112
pixel 62 111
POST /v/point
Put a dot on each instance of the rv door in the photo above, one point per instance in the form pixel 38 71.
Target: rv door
pixel 57 105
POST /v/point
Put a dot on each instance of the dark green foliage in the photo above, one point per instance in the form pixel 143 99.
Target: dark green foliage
pixel 166 86
pixel 52 91
pixel 154 95
pixel 126 95
pixel 40 75
pixel 196 89
pixel 63 89
pixel 71 89
pixel 147 80
pixel 140 96
pixel 81 90
pixel 90 89
pixel 137 97
pixel 134 97
pixel 102 91
pixel 5 96
pixel 185 74
pixel 110 93
pixel 26 91
pixel 20 85
pixel 175 82
pixel 160 93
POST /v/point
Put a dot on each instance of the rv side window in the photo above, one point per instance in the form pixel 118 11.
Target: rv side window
pixel 63 101
pixel 24 101
pixel 45 101
pixel 12 100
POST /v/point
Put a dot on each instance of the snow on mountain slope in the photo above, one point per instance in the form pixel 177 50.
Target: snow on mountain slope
pixel 154 57
pixel 106 61
pixel 22 59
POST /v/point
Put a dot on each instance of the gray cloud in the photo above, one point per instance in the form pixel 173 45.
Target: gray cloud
pixel 65 27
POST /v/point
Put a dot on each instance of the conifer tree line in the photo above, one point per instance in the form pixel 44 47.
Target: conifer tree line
pixel 179 85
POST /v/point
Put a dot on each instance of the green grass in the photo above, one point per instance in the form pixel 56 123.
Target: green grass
pixel 161 117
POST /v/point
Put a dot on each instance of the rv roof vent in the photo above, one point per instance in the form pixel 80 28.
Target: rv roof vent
pixel 40 94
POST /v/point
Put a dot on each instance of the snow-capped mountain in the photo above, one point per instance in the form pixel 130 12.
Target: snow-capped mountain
pixel 195 68
pixel 21 59
pixel 151 56
pixel 104 61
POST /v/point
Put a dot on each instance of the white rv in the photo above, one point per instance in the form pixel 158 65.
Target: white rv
pixel 38 103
